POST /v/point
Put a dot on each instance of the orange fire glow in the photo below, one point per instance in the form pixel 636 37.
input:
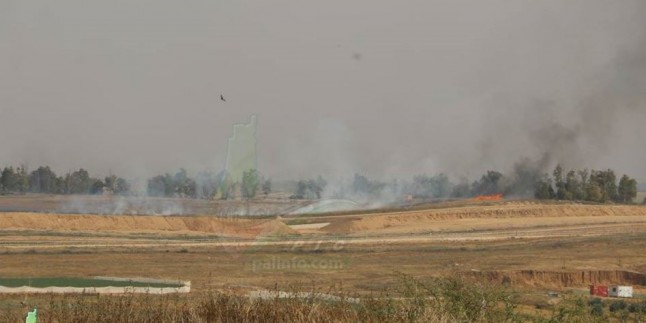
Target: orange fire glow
pixel 496 197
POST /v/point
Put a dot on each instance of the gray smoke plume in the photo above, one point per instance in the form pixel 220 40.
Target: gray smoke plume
pixel 378 87
pixel 587 131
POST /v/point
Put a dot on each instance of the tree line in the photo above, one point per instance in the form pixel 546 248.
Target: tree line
pixel 206 185
pixel 525 180
pixel 586 185
pixel 520 182
pixel 45 180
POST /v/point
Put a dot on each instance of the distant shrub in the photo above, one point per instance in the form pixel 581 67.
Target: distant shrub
pixel 637 308
pixel 597 309
pixel 596 301
pixel 617 306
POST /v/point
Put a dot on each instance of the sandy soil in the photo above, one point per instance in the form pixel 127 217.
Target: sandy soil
pixel 233 227
pixel 506 214
pixel 483 223
pixel 529 241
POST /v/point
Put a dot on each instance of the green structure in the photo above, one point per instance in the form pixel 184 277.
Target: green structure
pixel 241 150
pixel 32 317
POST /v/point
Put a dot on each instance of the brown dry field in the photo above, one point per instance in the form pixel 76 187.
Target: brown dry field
pixel 536 245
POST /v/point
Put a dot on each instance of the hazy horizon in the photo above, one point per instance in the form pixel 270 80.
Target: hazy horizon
pixel 382 88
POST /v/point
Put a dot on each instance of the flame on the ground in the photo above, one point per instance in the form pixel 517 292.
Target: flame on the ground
pixel 495 197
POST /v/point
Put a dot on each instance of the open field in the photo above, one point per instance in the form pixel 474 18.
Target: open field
pixel 531 247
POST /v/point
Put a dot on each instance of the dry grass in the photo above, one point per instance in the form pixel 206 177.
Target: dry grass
pixel 433 301
pixel 447 300
pixel 365 268
pixel 574 239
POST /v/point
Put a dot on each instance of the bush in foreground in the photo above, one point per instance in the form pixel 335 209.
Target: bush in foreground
pixel 437 300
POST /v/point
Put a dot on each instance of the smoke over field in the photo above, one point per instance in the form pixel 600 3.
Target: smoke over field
pixel 331 160
pixel 387 90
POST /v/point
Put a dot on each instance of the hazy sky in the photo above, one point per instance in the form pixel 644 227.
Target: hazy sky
pixel 384 88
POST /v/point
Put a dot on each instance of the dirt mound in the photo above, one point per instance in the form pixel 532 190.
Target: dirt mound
pixel 247 228
pixel 503 210
pixel 560 278
pixel 272 227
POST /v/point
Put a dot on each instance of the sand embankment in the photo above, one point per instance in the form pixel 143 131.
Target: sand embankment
pixel 477 215
pixel 236 227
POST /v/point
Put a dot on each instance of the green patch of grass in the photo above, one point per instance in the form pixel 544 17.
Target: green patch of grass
pixel 42 282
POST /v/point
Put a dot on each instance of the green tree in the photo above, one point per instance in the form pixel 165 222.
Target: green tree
pixel 488 184
pixel 317 187
pixel 23 179
pixel 462 189
pixel 78 182
pixel 301 189
pixel 441 185
pixel 594 192
pixel 559 182
pixel 572 186
pixel 313 189
pixel 206 185
pixel 421 186
pixel 110 182
pixel 607 182
pixel 627 190
pixel 250 182
pixel 543 189
pixel 7 179
pixel 97 187
pixel 116 185
pixel 436 186
pixel 266 187
pixel 584 177
pixel 157 186
pixel 121 186
pixel 44 180
pixel 226 186
pixel 524 179
pixel 184 186
pixel 179 184
pixel 14 180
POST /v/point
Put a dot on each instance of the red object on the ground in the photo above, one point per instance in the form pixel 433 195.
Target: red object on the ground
pixel 497 197
pixel 599 290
